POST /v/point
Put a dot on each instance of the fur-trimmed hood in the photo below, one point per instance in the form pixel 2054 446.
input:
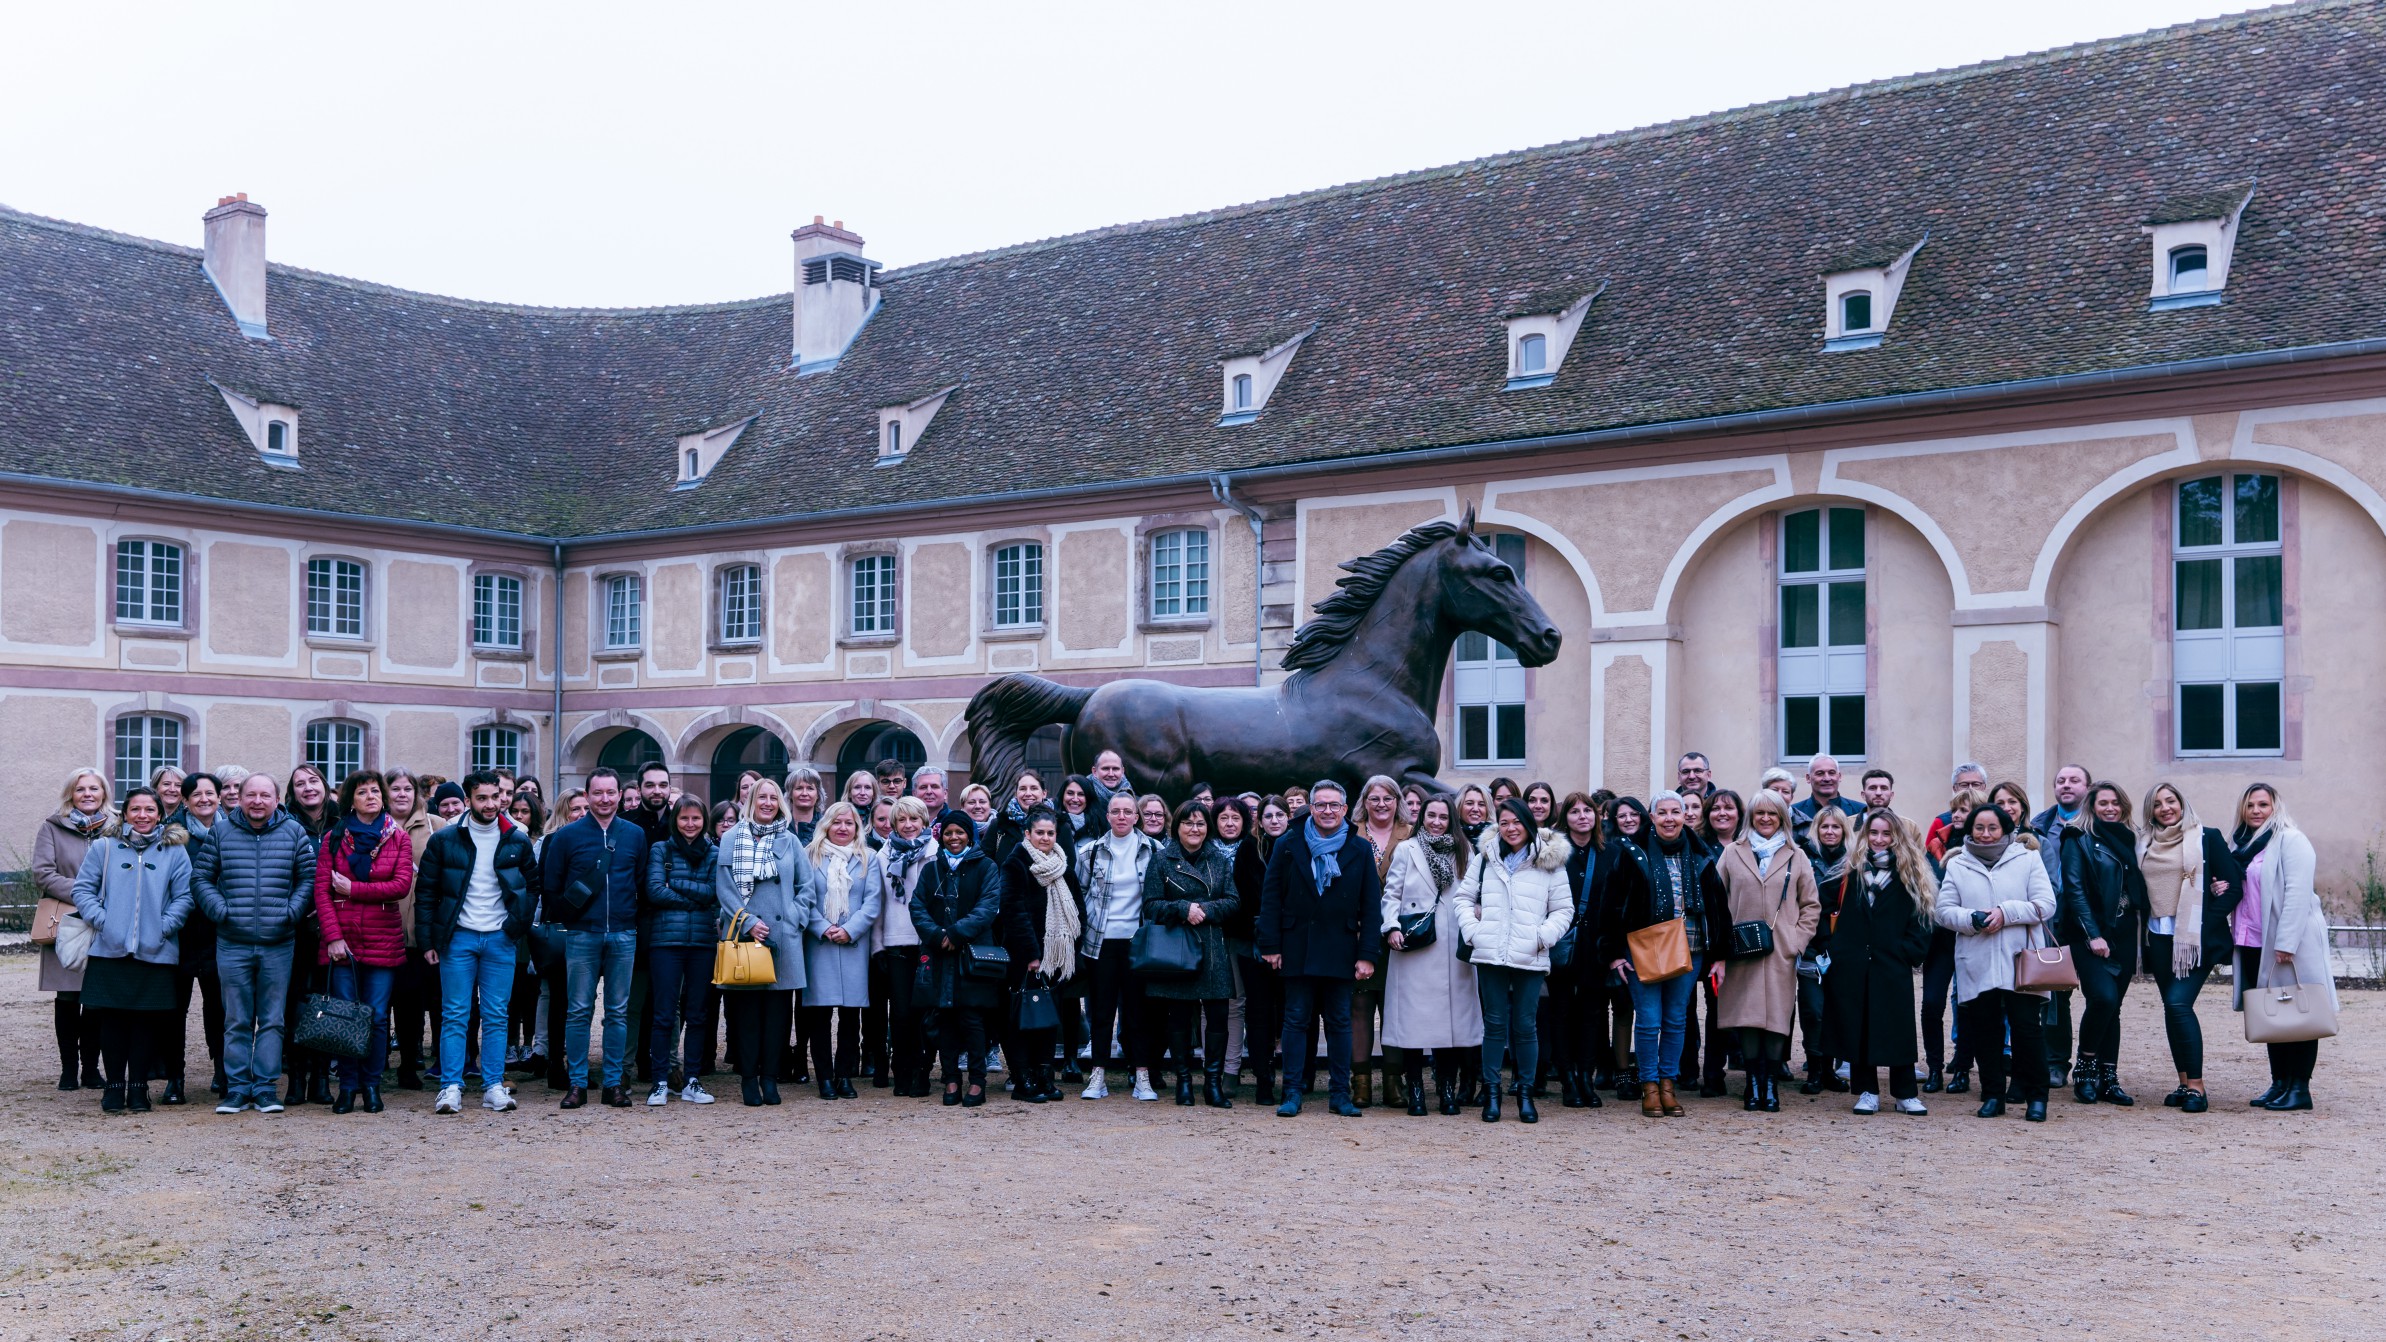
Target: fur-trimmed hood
pixel 172 836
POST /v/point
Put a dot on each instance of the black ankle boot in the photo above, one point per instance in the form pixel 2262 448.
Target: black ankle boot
pixel 1773 1074
pixel 1446 1082
pixel 1263 1082
pixel 372 1099
pixel 319 1086
pixel 1419 1101
pixel 2108 1086
pixel 111 1099
pixel 2296 1096
pixel 2261 1101
pixel 1570 1090
pixel 346 1103
pixel 1184 1086
pixel 1752 1099
pixel 136 1097
pixel 1491 1103
pixel 1213 1091
pixel 2088 1077
pixel 828 1089
pixel 1525 1111
pixel 1590 1096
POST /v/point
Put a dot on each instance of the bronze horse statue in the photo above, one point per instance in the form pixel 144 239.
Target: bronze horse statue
pixel 1366 679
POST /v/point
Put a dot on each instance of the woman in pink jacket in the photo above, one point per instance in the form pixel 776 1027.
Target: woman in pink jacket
pixel 365 869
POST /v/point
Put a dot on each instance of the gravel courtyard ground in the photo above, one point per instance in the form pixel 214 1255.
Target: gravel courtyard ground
pixel 900 1218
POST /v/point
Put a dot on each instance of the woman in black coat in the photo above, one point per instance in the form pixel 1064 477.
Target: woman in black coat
pixel 1884 898
pixel 1190 884
pixel 1232 827
pixel 2104 908
pixel 956 910
pixel 1043 913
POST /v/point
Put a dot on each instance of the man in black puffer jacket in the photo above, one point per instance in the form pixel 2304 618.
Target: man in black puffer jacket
pixel 473 896
pixel 256 880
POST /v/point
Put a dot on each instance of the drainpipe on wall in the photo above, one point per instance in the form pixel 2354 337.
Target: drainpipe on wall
pixel 1223 487
pixel 555 756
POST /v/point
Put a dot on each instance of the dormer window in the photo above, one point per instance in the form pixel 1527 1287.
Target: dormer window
pixel 271 427
pixel 1250 379
pixel 277 438
pixel 701 451
pixel 1539 338
pixel 1860 292
pixel 2193 238
pixel 900 427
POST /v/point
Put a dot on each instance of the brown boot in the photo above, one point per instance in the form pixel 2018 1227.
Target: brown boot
pixel 1650 1105
pixel 1665 1097
pixel 1362 1089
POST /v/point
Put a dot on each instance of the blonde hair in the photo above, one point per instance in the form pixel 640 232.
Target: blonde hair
pixel 980 789
pixel 781 815
pixel 66 795
pixel 908 805
pixel 1766 801
pixel 820 841
pixel 1905 849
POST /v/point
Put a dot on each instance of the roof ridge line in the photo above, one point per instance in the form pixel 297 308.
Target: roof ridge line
pixel 1561 148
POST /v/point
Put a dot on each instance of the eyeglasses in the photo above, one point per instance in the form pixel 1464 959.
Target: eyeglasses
pixel 1329 806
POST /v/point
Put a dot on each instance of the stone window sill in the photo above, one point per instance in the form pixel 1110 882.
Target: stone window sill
pixel 127 629
pixel 1013 633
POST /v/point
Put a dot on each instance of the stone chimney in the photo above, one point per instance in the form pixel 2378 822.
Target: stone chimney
pixel 836 290
pixel 236 260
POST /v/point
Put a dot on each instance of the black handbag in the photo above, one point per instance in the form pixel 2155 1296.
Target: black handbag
pixel 1561 956
pixel 1417 930
pixel 984 964
pixel 333 1025
pixel 546 946
pixel 1751 939
pixel 1033 1006
pixel 1165 951
pixel 1466 949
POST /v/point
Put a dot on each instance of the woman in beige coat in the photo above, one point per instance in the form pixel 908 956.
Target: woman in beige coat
pixel 1763 878
pixel 58 849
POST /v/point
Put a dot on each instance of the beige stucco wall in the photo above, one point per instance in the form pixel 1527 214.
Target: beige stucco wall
pixel 1722 605
pixel 424 740
pixel 426 614
pixel 1332 532
pixel 802 608
pixel 1629 530
pixel 2355 442
pixel 1631 724
pixel 48 573
pixel 1999 693
pixel 260 736
pixel 939 617
pixel 2341 649
pixel 677 608
pixel 2107 661
pixel 1913 663
pixel 579 620
pixel 1231 593
pixel 248 600
pixel 1092 582
pixel 44 738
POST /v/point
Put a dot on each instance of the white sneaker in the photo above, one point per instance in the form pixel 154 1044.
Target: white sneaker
pixel 659 1096
pixel 694 1092
pixel 994 1059
pixel 271 1104
pixel 451 1100
pixel 231 1106
pixel 1143 1085
pixel 1911 1106
pixel 1097 1086
pixel 497 1099
pixel 1840 1070
pixel 1868 1103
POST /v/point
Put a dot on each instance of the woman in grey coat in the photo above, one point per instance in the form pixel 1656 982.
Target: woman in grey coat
pixel 134 888
pixel 58 849
pixel 763 873
pixel 1191 885
pixel 837 947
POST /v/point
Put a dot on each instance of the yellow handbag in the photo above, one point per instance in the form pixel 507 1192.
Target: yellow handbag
pixel 738 963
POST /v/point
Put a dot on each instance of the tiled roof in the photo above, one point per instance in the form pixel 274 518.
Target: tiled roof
pixel 1095 358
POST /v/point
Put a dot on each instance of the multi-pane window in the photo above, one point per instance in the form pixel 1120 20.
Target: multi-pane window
pixel 143 745
pixel 148 582
pixel 1019 585
pixel 625 610
pixel 335 598
pixel 1180 574
pixel 496 610
pixel 741 603
pixel 1822 659
pixel 336 748
pixel 2228 641
pixel 497 748
pixel 874 594
pixel 1487 684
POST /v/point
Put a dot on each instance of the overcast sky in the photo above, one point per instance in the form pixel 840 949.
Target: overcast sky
pixel 602 154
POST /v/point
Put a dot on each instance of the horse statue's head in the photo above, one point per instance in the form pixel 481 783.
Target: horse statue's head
pixel 1482 593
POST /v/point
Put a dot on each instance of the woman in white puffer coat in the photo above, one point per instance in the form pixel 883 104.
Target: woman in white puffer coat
pixel 1513 905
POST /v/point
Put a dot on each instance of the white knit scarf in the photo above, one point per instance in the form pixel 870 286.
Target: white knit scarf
pixel 836 881
pixel 1051 871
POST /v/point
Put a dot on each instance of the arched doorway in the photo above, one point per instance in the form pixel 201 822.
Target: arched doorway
pixel 629 751
pixel 875 741
pixel 743 749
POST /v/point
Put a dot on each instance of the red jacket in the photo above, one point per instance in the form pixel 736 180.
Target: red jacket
pixel 367 917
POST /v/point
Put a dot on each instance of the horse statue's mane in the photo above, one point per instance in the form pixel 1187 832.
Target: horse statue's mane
pixel 1338 616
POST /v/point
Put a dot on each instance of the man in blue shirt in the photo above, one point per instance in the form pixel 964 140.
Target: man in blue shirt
pixel 593 874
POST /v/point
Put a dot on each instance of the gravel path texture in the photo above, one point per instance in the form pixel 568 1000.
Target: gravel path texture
pixel 885 1218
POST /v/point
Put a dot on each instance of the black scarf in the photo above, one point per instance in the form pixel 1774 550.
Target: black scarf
pixel 2121 841
pixel 2247 844
pixel 695 852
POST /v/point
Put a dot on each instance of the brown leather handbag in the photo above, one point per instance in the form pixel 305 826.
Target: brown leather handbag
pixel 47 914
pixel 2044 969
pixel 1660 951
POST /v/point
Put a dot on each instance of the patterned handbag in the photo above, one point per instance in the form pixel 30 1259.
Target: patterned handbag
pixel 333 1025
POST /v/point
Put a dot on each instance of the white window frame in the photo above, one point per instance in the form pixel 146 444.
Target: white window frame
pixel 335 597
pixel 1487 683
pixel 1019 585
pixel 870 595
pixel 151 573
pixel 739 587
pixel 1532 354
pixel 1835 675
pixel 497 611
pixel 336 748
pixel 1179 569
pixel 153 739
pixel 2228 656
pixel 625 612
pixel 497 746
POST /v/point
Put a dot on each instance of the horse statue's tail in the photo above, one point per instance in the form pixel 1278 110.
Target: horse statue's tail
pixel 1004 715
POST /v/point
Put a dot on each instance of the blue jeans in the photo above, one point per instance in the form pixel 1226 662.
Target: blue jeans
pixel 1511 1025
pixel 371 985
pixel 256 982
pixel 2186 1033
pixel 482 961
pixel 587 957
pixel 1659 1012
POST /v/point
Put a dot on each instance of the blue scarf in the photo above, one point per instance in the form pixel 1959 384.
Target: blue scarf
pixel 363 841
pixel 1323 868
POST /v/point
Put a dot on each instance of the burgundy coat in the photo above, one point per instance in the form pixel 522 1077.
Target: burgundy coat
pixel 368 917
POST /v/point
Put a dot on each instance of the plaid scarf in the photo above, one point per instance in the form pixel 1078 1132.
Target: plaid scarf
pixel 754 855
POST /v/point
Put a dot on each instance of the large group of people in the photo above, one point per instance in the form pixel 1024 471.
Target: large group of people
pixel 887 933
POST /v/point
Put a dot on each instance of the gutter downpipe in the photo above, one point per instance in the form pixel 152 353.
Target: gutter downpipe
pixel 1222 485
pixel 555 759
